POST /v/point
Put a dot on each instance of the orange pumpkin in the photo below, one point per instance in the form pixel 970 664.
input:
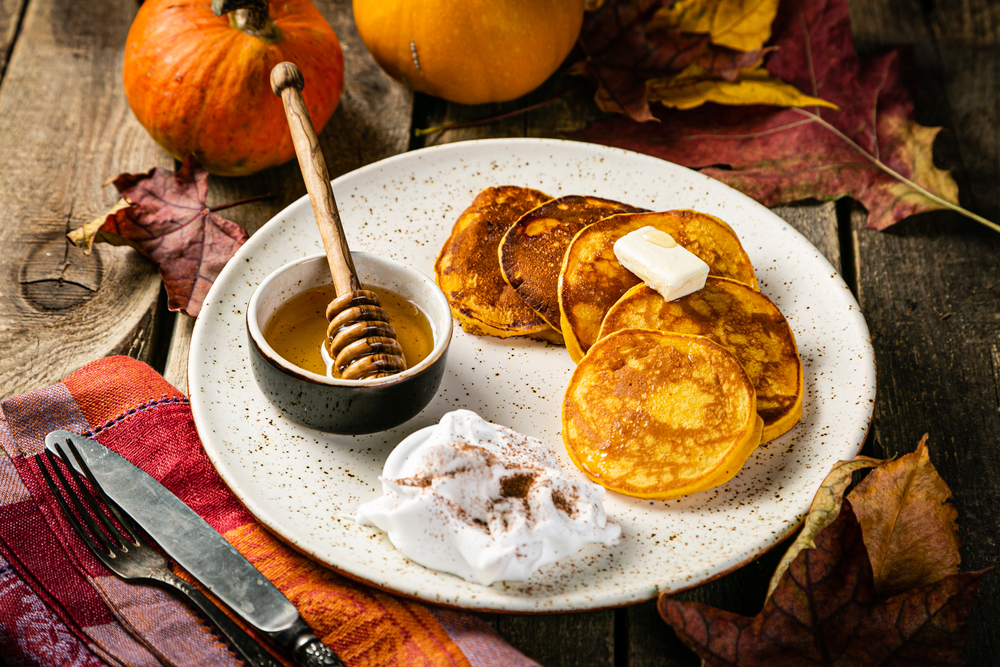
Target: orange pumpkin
pixel 199 83
pixel 470 52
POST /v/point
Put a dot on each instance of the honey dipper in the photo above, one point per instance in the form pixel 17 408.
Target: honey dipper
pixel 362 342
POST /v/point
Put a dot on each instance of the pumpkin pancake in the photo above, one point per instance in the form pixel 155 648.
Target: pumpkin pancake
pixel 743 321
pixel 592 279
pixel 532 250
pixel 659 415
pixel 468 273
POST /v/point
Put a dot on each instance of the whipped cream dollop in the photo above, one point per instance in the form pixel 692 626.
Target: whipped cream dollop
pixel 484 502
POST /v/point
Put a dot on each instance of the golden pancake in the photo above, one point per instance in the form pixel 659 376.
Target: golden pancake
pixel 468 273
pixel 531 252
pixel 743 321
pixel 659 415
pixel 592 280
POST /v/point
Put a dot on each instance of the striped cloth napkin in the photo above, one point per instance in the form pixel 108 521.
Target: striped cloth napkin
pixel 59 605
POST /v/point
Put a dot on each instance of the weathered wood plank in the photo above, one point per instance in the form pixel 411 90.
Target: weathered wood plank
pixel 65 127
pixel 10 16
pixel 561 640
pixel 931 298
pixel 175 369
pixel 877 24
pixel 966 22
pixel 929 287
pixel 371 122
pixel 818 223
pixel 972 89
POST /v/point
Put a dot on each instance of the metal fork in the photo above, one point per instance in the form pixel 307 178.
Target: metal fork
pixel 129 557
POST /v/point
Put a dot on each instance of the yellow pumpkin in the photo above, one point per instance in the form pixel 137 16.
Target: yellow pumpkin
pixel 199 82
pixel 466 51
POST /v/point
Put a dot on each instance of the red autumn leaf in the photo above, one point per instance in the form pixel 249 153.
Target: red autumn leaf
pixel 825 612
pixel 782 155
pixel 622 54
pixel 166 219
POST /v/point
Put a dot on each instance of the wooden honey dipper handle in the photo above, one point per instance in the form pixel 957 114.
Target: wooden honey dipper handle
pixel 287 83
pixel 362 342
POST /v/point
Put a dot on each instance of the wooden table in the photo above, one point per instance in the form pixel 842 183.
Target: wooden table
pixel 929 288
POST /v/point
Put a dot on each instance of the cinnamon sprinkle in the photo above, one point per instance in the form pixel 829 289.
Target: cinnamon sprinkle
pixel 559 500
pixel 516 486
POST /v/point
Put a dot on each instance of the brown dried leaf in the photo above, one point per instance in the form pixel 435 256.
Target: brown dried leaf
pixel 824 510
pixel 910 529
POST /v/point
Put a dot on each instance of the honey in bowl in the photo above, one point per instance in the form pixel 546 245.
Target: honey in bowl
pixel 297 330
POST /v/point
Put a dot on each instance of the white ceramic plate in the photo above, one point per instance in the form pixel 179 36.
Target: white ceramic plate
pixel 303 484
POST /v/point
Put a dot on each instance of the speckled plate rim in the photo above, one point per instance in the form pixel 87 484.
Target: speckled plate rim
pixel 593 579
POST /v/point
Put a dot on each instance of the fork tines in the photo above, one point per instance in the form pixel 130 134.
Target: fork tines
pixel 123 536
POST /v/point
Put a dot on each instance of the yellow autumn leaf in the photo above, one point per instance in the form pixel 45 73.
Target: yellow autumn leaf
pixel 744 25
pixel 696 85
pixel 85 236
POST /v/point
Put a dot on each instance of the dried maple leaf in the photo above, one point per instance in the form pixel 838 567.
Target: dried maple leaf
pixel 825 508
pixel 163 215
pixel 871 149
pixel 744 25
pixel 825 612
pixel 910 529
pixel 622 54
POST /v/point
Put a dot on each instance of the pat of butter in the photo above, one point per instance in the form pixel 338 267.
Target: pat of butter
pixel 656 258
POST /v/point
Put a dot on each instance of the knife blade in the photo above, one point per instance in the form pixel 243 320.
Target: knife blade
pixel 198 548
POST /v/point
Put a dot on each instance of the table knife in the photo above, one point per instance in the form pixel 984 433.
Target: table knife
pixel 200 549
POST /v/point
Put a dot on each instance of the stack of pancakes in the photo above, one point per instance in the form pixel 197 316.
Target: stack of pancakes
pixel 668 398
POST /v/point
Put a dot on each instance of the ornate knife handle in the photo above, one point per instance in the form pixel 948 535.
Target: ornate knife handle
pixel 299 641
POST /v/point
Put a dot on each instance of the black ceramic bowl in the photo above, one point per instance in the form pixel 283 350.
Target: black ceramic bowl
pixel 349 407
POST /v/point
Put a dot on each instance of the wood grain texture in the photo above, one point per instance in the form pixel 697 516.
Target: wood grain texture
pixel 818 223
pixel 971 86
pixel 560 640
pixel 930 286
pixel 65 127
pixel 931 295
pixel 175 368
pixel 973 23
pixel 876 24
pixel 10 16
pixel 371 122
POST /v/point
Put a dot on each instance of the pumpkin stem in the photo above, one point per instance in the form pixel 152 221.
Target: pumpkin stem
pixel 249 16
